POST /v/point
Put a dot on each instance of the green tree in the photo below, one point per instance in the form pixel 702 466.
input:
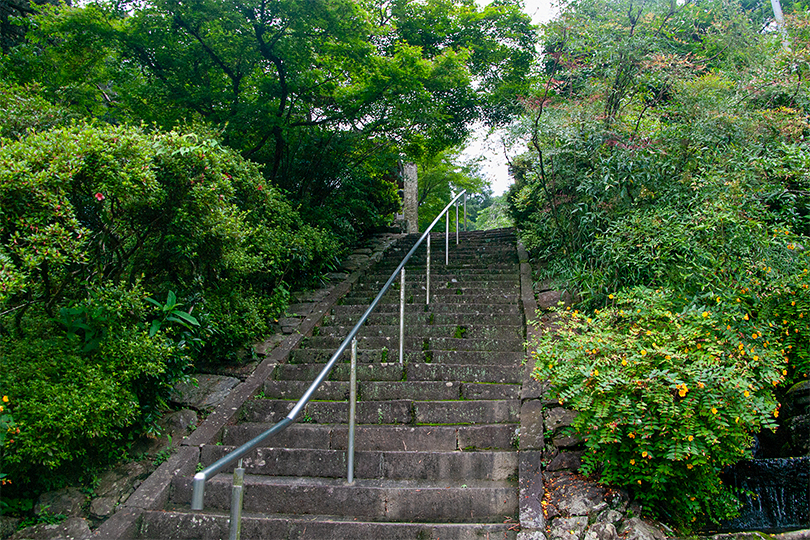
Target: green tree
pixel 316 92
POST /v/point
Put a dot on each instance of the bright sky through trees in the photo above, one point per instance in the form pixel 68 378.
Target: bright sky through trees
pixel 491 148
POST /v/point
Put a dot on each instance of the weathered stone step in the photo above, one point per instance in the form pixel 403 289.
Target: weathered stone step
pixel 374 500
pixel 400 411
pixel 440 290
pixel 422 318
pixel 483 373
pixel 368 356
pixel 385 390
pixel 380 438
pixel 426 343
pixel 173 525
pixel 441 278
pixel 413 296
pixel 459 331
pixel 461 309
pixel 392 465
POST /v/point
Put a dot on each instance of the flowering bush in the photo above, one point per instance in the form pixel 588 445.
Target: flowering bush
pixel 668 395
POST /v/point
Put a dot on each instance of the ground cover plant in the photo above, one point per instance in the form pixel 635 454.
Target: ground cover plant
pixel 666 182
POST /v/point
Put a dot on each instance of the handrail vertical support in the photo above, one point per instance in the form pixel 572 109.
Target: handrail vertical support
pixel 402 318
pixel 237 495
pixel 456 222
pixel 352 410
pixel 427 273
pixel 447 238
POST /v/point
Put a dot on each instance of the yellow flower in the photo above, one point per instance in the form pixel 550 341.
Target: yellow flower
pixel 668 357
pixel 589 320
pixel 632 435
pixel 1 408
pixel 632 462
pixel 776 413
pixel 596 373
pixel 793 303
pixel 756 358
pixel 714 410
pixel 746 317
pixel 624 362
pixel 784 372
pixel 737 420
pixel 689 466
pixel 705 314
pixel 754 335
pixel 691 438
pixel 643 352
pixel 610 296
pixel 701 385
pixel 639 481
pixel 5 399
pixel 746 393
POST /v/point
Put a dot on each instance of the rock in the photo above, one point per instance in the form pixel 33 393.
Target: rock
pixel 798 398
pixel 116 485
pixel 601 531
pixel 70 529
pixel 8 525
pixel 68 502
pixel 531 535
pixel 637 529
pixel 570 461
pixel 336 276
pixel 568 528
pixel 211 390
pixel 103 507
pixel 799 429
pixel 609 516
pixel 559 418
pixel 300 309
pixel 179 424
pixel 549 299
pixel 566 441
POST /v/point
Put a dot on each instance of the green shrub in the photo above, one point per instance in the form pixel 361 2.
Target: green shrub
pixel 668 393
pixel 95 221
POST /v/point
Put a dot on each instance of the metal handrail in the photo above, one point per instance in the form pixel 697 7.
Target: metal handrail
pixel 236 455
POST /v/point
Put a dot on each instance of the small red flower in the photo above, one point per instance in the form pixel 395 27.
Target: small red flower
pixel 99 197
pixel 260 188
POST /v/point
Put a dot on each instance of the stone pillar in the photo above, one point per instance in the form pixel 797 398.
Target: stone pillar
pixel 410 198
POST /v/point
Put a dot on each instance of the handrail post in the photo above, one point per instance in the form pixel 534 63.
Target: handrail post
pixel 465 212
pixel 427 273
pixel 402 318
pixel 352 409
pixel 456 222
pixel 237 496
pixel 447 238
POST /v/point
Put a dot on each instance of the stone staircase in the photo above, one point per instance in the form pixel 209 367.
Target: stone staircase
pixel 436 447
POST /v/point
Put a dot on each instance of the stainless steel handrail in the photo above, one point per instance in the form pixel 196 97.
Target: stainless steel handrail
pixel 237 454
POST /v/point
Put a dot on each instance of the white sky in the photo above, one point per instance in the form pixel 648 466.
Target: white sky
pixel 491 148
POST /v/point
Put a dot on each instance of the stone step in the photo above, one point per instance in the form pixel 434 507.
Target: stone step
pixel 426 343
pixel 459 331
pixel 421 318
pixel 440 290
pixel 372 500
pixel 386 390
pixel 380 438
pixel 400 411
pixel 483 373
pixel 418 297
pixel 180 525
pixel 392 465
pixel 368 356
pixel 459 309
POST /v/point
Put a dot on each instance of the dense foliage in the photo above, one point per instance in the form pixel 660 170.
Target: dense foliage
pixel 667 151
pixel 94 220
pixel 328 95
